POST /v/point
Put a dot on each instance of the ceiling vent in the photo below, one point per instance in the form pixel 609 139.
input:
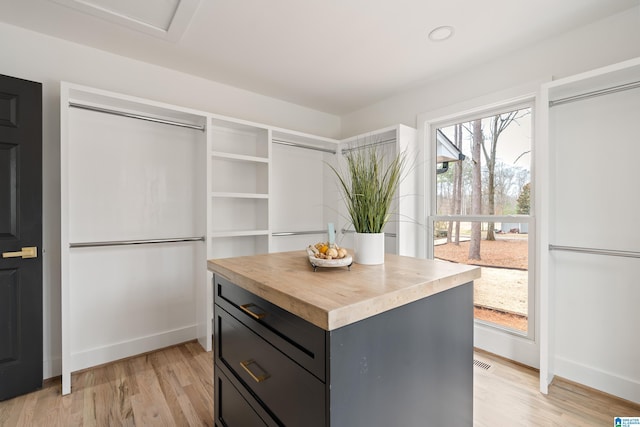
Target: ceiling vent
pixel 167 19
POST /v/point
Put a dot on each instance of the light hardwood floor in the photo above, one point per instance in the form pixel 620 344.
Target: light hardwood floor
pixel 173 387
pixel 507 394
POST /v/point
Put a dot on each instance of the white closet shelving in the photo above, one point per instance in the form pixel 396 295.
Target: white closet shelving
pixel 305 196
pixel 239 183
pixel 589 250
pixel 268 188
pixel 133 225
pixel 144 183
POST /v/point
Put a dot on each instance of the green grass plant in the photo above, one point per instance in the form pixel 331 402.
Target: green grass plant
pixel 369 186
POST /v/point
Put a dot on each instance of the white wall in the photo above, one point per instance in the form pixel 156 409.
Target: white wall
pixel 33 56
pixel 605 42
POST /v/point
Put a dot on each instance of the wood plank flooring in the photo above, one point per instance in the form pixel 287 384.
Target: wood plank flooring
pixel 174 387
pixel 507 394
pixel 170 387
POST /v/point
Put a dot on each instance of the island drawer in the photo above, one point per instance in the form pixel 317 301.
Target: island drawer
pixel 293 395
pixel 235 407
pixel 300 340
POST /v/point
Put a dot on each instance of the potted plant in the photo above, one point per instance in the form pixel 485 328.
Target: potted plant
pixel 368 187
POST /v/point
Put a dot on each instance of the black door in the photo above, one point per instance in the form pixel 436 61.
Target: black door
pixel 20 236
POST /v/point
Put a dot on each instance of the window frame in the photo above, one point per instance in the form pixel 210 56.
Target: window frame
pixel 503 341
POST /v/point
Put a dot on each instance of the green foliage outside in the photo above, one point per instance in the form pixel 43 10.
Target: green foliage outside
pixel 524 200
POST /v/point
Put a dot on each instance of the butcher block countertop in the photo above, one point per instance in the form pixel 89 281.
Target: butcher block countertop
pixel 335 297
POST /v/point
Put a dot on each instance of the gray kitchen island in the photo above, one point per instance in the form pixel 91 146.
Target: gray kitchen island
pixel 385 345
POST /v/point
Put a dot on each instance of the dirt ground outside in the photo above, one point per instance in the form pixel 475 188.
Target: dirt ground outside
pixel 501 294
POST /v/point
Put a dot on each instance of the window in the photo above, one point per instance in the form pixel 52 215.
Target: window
pixel 482 210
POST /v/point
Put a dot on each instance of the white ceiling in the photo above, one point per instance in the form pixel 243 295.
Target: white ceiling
pixel 330 55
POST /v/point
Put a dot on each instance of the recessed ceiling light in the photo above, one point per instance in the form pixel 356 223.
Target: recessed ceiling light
pixel 442 33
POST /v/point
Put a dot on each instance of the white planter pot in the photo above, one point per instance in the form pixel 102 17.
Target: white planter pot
pixel 368 248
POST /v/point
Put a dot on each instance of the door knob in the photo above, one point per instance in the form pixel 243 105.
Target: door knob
pixel 31 252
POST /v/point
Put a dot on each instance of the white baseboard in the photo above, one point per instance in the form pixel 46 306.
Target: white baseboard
pixel 121 350
pixel 51 368
pixel 625 388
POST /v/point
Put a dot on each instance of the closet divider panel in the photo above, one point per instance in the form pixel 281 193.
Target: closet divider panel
pixel 409 224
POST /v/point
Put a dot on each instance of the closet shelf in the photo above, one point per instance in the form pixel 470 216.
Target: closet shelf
pixel 297 233
pixel 229 195
pixel 238 157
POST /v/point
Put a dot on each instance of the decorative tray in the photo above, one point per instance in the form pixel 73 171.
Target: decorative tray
pixel 337 262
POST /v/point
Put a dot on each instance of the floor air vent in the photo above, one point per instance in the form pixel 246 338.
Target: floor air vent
pixel 481 365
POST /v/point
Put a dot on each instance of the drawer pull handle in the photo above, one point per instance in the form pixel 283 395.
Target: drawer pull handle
pixel 257 316
pixel 258 378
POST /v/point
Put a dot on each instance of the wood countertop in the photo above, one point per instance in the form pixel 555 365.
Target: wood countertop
pixel 334 297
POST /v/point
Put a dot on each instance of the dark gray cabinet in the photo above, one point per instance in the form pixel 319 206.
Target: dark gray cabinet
pixel 410 366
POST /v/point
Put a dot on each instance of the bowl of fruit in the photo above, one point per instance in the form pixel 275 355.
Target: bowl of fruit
pixel 324 254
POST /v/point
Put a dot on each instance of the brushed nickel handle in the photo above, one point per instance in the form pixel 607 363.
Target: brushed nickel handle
pixel 30 252
pixel 247 309
pixel 257 378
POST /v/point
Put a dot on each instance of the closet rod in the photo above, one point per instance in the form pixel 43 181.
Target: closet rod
pixel 359 147
pixel 609 252
pixel 298 145
pixel 345 231
pixel 587 95
pixel 135 242
pixel 135 116
pixel 298 233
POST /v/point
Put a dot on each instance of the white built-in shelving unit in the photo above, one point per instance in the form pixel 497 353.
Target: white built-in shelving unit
pixel 239 182
pixel 267 187
pixel 150 191
pixel 133 226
